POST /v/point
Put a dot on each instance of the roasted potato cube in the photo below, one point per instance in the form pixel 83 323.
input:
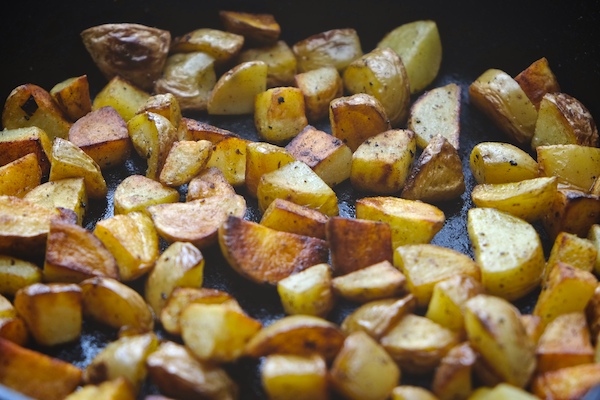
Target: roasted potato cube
pixel 216 332
pixel 538 79
pixel 67 193
pixel 571 382
pixel 115 304
pixel 189 77
pixel 263 157
pixel 73 96
pixel 424 265
pixel 20 176
pixel 301 377
pixel 356 118
pixel 196 221
pixel 419 46
pixel 509 271
pixel 495 331
pixel 381 73
pixel 137 192
pixel 437 174
pixel 116 389
pixel 209 182
pixel 573 250
pixel 256 28
pixel 327 155
pixel 573 211
pixel 377 281
pixel 16 273
pixel 42 305
pixel 453 378
pixel 307 292
pixel 405 392
pixel 498 162
pixel 184 161
pixel 35 374
pixel 287 216
pixel 297 182
pixel 16 143
pixel 176 372
pixel 320 87
pixel 417 343
pixel 235 91
pixel 266 255
pixel 229 155
pixel 573 164
pixel 335 47
pixel 192 129
pixel 181 264
pixel 165 104
pixel 363 369
pixel 280 60
pixel 125 97
pixel 496 94
pixel 221 45
pixel 279 114
pixel 31 105
pixel 14 328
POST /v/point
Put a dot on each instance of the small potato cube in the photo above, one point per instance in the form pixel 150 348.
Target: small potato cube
pixel 337 47
pixel 73 96
pixel 573 164
pixel 185 160
pixel 382 163
pixel 571 382
pixel 165 104
pixel 308 291
pixel 235 91
pixel 254 27
pixel 209 182
pixel 20 176
pixel 263 157
pixel 573 211
pixel 52 312
pixel 137 192
pixel 16 143
pixel 192 129
pixel 287 216
pixel 453 378
pixel 67 193
pixel 498 162
pixel 280 60
pixel 303 378
pixel 374 282
pixel 320 87
pixel 538 79
pixel 279 114
pixel 221 45
pixel 16 273
pixel 573 250
pixel 121 95
pixel 327 155
pixel 229 155
pixel 363 369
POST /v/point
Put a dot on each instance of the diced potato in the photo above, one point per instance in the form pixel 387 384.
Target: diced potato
pixel 336 47
pixel 12 326
pixel 320 87
pixel 280 60
pixel 436 112
pixel 52 312
pixel 16 143
pixel 279 114
pixel 412 221
pixel 266 255
pixel 192 129
pixel 356 118
pixel 297 182
pixel 235 90
pixel 102 134
pixel 256 28
pixel 419 46
pixel 116 389
pixel 382 163
pixel 16 273
pixel 382 74
pixel 115 304
pixel 357 243
pixel 363 370
pixel 307 292
pixel 498 162
pixel 573 250
pixel 572 382
pixel 453 378
pixel 221 45
pixel 573 164
pixel 538 79
pixel 67 193
pixel 229 155
pixel 417 343
pixel 263 157
pixel 287 216
pixel 209 182
pixel 327 155
pixel 73 96
pixel 216 332
pixel 20 176
pixel 508 250
pixel 495 331
pixel 122 95
pixel 185 160
pixel 180 264
pixel 377 281
pixel 165 104
pixel 406 392
pixel 573 211
pixel 300 377
pixel 137 193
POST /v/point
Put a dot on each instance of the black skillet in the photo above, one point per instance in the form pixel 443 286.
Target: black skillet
pixel 41 45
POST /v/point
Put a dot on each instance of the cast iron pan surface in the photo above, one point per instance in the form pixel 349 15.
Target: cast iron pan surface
pixel 41 45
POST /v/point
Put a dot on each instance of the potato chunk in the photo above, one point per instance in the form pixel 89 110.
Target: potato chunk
pixel 279 114
pixel 280 60
pixel 221 45
pixel 320 87
pixel 68 193
pixel 16 273
pixel 235 91
pixel 336 47
pixel 16 143
pixel 137 192
pixel 123 96
pixel 308 291
pixel 20 176
pixel 185 160
pixel 573 164
pixel 73 96
pixel 377 281
pixel 538 79
pixel 303 378
pixel 287 216
pixel 498 162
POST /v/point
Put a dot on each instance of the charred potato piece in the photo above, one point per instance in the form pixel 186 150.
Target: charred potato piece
pixel 73 96
pixel 16 143
pixel 538 79
pixel 255 27
pixel 336 47
pixel 221 45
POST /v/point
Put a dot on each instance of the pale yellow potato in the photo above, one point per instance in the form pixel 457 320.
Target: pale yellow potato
pixel 280 60
pixel 572 382
pixel 320 87
pixel 382 163
pixel 16 273
pixel 133 240
pixel 288 216
pixel 538 79
pixel 529 199
pixel 377 281
pixel 381 73
pixel 69 161
pixel 594 236
pixel 573 164
pixel 408 392
pixel 363 369
pixel 453 378
pixel 52 312
pixel 67 193
pixel 256 28
pixel 279 114
pixel 18 142
pixel 571 212
pixel 437 112
pixel 336 47
pixel 263 157
pixel 116 389
pixel 412 221
pixel 419 45
pixel 215 332
pixel 20 176
pixel 229 155
pixel 424 265
pixel 417 343
pixel 209 182
pixel 137 192
pixel 266 255
pixel 573 250
pixel 122 95
pixel 165 104
pixel 189 77
pixel 299 377
pixel 73 96
pixel 328 156
pixel 495 331
pixel 180 264
pixel 221 45
pixel 508 250
pixel 235 90
pixel 507 391
pixel 297 182
pixel 185 160
pixel 115 304
pixel 308 291
pixel 356 118
pixel 498 162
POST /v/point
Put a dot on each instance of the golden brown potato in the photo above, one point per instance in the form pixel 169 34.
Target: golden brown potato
pixel 263 157
pixel 279 114
pixel 116 389
pixel 137 192
pixel 573 164
pixel 453 379
pixel 35 374
pixel 566 383
pixel 133 51
pixel 16 143
pixel 16 273
pixel 73 96
pixel 123 96
pixel 192 129
pixel 573 211
pixel 573 250
pixel 300 377
pixel 20 176
pixel 280 60
pixel 336 47
pixel 255 27
pixel 235 90
pixel 165 104
pixel 594 237
pixel 265 255
pixel 377 281
pixel 538 79
pixel 209 182
pixel 185 160
pixel 221 45
pixel 320 87
pixel 229 155
pixel 498 162
pixel 308 291
pixel 287 216
pixel 357 243
pixel 68 193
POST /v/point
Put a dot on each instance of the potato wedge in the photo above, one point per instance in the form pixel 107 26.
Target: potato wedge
pixel 280 60
pixel 221 45
pixel 123 96
pixel 235 90
pixel 185 160
pixel 229 155
pixel 377 281
pixel 538 79
pixel 20 176
pixel 498 162
pixel 137 192
pixel 287 216
pixel 263 157
pixel 209 182
pixel 16 143
pixel 453 378
pixel 308 291
pixel 165 104
pixel 73 96
pixel 301 377
pixel 320 87
pixel 256 28
pixel 16 273
pixel 68 193
pixel 279 114
pixel 336 47
pixel 573 164
pixel 573 211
